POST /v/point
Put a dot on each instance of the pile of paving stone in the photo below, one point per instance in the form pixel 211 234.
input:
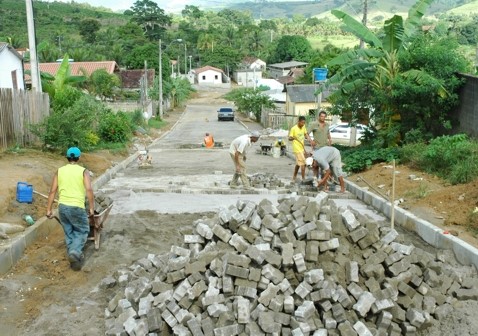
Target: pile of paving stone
pixel 302 267
pixel 102 201
pixel 266 180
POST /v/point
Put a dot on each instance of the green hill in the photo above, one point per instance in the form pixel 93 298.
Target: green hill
pixel 51 20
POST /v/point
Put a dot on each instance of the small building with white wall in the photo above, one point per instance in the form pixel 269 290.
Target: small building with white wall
pixel 209 75
pixel 11 68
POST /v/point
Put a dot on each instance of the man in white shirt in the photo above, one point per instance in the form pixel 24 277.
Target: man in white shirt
pixel 237 150
pixel 329 159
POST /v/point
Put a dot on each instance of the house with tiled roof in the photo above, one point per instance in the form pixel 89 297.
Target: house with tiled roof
pixel 209 75
pixel 77 68
pixel 11 68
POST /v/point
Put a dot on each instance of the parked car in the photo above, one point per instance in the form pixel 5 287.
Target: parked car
pixel 340 133
pixel 225 113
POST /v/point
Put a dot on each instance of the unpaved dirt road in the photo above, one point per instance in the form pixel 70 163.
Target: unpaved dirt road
pixel 153 207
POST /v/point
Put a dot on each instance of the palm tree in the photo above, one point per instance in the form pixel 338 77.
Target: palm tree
pixel 377 66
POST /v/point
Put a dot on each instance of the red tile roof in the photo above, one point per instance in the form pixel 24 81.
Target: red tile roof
pixel 206 68
pixel 76 67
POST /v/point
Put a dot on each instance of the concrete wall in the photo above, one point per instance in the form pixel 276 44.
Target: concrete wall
pixel 467 112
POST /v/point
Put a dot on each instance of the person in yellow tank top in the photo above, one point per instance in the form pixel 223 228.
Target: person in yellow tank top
pixel 297 134
pixel 73 183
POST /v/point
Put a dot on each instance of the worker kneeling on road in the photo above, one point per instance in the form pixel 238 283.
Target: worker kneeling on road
pixel 328 158
pixel 209 141
pixel 73 183
pixel 237 150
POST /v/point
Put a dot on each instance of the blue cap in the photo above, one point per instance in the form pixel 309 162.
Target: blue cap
pixel 73 152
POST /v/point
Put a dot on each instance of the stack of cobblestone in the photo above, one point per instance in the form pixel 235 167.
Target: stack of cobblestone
pixel 102 201
pixel 267 180
pixel 302 267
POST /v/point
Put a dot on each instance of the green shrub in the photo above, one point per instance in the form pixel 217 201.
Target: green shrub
pixel 137 118
pixel 359 158
pixel 115 127
pixel 72 126
pixel 453 158
pixel 66 98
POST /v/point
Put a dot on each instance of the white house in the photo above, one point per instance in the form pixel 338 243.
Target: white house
pixel 210 75
pixel 252 63
pixel 11 68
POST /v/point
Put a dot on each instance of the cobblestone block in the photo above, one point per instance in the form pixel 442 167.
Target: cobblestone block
pixel 318 235
pixel 348 218
pixel 346 329
pixel 384 320
pixel 415 317
pixel 277 303
pixel 467 294
pixel 248 233
pixel 305 310
pixel 404 249
pixel 239 243
pixel 207 326
pixel 266 234
pixel 393 258
pixel 299 263
pixel 255 222
pixel 272 273
pixel 287 252
pixel 169 318
pixel 273 258
pixel 368 240
pixel 195 327
pixel 267 323
pixel 355 290
pixel 229 330
pixel 267 295
pixel 338 312
pixel 243 310
pixel 272 223
pixel 352 271
pixel 329 245
pixel 361 329
pixel 358 234
pixel 364 303
pixel 312 251
pixel 301 231
pixel 288 304
pixel 389 237
pixel 222 233
pixel 246 292
pixel 380 305
pixel 314 276
pixel 311 211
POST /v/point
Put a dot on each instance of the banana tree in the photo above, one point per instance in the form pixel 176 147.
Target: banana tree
pixel 376 67
pixel 53 84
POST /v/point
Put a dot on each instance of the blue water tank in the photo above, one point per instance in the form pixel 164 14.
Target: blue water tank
pixel 320 74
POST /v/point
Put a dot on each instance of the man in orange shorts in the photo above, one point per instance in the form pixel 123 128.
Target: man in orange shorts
pixel 297 134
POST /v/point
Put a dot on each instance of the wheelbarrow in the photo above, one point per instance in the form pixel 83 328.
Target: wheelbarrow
pixel 96 225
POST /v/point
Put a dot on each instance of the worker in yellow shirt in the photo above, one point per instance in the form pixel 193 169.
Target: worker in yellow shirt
pixel 297 135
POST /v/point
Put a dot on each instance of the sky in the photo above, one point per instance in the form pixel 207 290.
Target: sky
pixel 115 5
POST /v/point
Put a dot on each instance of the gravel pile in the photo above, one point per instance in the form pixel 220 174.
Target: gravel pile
pixel 302 267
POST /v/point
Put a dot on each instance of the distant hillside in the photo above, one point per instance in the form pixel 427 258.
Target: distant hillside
pixel 469 8
pixel 52 19
pixel 384 8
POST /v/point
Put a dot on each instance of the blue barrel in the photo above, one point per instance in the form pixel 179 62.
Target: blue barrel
pixel 24 192
pixel 320 74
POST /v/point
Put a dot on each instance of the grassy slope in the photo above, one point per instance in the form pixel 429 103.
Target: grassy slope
pixel 51 19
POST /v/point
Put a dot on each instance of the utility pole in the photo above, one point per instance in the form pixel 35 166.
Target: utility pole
pixel 364 20
pixel 160 98
pixel 185 59
pixel 190 56
pixel 35 72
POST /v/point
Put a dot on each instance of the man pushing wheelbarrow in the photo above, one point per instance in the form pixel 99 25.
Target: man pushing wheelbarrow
pixel 73 183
